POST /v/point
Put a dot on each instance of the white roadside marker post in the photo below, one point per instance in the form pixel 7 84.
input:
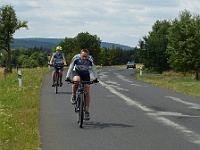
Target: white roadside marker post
pixel 20 78
pixel 140 70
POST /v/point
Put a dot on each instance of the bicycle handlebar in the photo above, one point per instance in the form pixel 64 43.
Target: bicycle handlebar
pixel 57 65
pixel 84 82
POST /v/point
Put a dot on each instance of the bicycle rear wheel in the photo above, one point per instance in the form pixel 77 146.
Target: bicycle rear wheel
pixel 57 82
pixel 77 107
pixel 81 115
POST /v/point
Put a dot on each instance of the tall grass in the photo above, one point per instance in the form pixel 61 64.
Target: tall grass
pixel 19 109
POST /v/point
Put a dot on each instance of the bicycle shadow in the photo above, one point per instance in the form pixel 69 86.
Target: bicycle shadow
pixel 68 93
pixel 98 125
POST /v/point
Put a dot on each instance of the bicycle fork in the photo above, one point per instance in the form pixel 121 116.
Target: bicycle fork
pixel 81 95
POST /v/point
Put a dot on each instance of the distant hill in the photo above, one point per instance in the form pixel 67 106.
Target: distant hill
pixel 52 42
pixel 35 42
pixel 110 45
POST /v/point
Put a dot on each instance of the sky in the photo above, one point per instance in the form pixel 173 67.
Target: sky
pixel 115 21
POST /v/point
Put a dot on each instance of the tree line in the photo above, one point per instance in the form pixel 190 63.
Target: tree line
pixel 102 56
pixel 173 45
pixel 27 58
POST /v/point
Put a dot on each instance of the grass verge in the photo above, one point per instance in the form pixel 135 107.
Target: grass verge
pixel 185 84
pixel 19 109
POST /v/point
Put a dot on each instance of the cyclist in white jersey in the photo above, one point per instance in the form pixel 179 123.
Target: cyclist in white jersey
pixel 81 64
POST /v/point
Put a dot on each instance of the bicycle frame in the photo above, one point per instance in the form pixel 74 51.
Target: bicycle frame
pixel 57 75
pixel 80 106
pixel 57 79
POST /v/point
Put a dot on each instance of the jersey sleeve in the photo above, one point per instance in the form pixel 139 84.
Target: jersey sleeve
pixel 91 61
pixel 75 57
pixel 93 67
pixel 71 67
pixel 63 56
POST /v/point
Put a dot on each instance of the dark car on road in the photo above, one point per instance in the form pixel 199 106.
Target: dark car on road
pixel 131 64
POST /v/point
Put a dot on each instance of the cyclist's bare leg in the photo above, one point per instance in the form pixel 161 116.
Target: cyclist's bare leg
pixel 75 86
pixel 53 76
pixel 87 90
pixel 60 76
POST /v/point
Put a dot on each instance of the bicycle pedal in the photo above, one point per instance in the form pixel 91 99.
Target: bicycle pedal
pixel 76 109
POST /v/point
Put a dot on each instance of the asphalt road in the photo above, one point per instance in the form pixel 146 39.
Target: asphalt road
pixel 126 114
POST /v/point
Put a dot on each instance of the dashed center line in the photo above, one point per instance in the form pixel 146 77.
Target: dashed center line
pixel 123 78
pixel 192 105
pixel 174 114
pixel 138 85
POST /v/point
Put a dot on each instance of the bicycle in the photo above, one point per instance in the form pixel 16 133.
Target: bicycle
pixel 80 105
pixel 57 76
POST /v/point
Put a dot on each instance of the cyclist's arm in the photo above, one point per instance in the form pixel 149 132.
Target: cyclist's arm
pixel 93 66
pixel 70 70
pixel 51 60
pixel 94 70
pixel 64 61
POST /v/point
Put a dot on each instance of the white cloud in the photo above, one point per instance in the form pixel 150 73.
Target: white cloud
pixel 119 21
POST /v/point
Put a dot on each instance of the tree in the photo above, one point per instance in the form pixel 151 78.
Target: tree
pixel 2 59
pixel 111 56
pixel 103 60
pixel 38 58
pixel 30 63
pixel 9 24
pixel 136 55
pixel 83 40
pixel 90 42
pixel 69 48
pixel 154 47
pixel 184 47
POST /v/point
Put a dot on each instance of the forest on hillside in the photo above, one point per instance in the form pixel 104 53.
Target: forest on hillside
pixel 52 42
pixel 36 52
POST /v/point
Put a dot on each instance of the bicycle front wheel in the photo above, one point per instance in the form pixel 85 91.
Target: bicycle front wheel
pixel 81 115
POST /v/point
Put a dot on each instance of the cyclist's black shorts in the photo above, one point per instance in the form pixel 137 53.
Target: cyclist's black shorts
pixel 84 77
pixel 54 68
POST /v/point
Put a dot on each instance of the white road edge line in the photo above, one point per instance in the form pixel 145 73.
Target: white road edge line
pixel 192 105
pixel 192 136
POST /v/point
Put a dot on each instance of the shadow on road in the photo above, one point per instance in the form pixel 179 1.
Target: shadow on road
pixel 65 93
pixel 98 125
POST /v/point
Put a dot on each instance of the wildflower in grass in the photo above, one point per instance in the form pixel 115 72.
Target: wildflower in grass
pixel 6 141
